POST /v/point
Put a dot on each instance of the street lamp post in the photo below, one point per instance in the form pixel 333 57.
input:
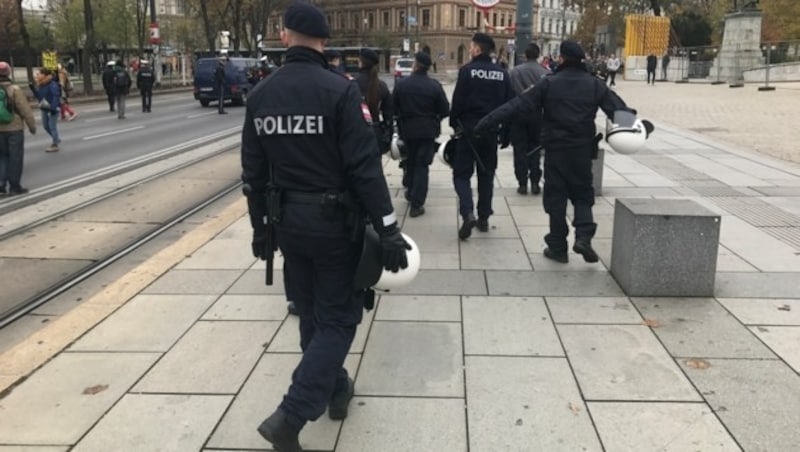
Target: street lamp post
pixel 766 87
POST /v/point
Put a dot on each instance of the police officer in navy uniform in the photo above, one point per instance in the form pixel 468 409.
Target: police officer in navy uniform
pixel 334 58
pixel 568 102
pixel 219 83
pixel 145 80
pixel 307 135
pixel 420 105
pixel 377 97
pixel 481 87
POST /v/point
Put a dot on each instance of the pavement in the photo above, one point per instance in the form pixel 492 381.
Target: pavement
pixel 492 348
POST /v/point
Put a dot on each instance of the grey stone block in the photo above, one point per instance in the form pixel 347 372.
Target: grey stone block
pixel 664 247
pixel 597 172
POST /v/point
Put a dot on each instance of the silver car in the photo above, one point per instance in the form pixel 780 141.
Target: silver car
pixel 403 67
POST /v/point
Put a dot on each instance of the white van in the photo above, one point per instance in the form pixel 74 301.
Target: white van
pixel 403 67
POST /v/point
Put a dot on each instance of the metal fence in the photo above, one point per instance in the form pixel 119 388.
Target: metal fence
pixel 739 64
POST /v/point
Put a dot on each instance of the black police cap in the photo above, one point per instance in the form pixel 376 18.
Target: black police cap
pixel 369 56
pixel 423 59
pixel 306 19
pixel 483 38
pixel 571 49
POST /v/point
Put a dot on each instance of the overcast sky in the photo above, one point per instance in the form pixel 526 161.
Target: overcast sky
pixel 33 4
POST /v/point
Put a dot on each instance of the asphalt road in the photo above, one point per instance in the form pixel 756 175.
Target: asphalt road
pixel 96 139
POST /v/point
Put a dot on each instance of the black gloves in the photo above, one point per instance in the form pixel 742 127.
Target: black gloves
pixel 504 137
pixel 259 245
pixel 393 249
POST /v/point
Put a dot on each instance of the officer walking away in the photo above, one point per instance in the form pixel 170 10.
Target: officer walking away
pixel 122 87
pixel 524 131
pixel 652 63
pixel 145 81
pixel 420 105
pixel 334 58
pixel 15 114
pixel 307 142
pixel 481 87
pixel 568 103
pixel 108 84
pixel 219 82
pixel 377 97
pixel 613 64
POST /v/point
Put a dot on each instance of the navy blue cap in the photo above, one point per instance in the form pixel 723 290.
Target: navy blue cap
pixel 483 38
pixel 423 59
pixel 571 49
pixel 306 19
pixel 369 56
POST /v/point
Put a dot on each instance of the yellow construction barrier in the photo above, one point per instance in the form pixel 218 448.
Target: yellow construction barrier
pixel 646 34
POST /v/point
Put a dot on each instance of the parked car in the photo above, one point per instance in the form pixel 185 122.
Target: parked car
pixel 403 67
pixel 237 80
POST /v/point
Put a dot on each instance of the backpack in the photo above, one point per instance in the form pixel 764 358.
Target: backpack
pixel 6 110
pixel 121 79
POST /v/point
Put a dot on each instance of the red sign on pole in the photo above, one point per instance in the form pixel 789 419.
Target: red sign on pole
pixel 154 34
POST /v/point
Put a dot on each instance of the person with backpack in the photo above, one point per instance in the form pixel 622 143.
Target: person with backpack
pixel 48 94
pixel 15 113
pixel 122 86
pixel 66 90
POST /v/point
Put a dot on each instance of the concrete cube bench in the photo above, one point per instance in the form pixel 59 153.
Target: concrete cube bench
pixel 664 247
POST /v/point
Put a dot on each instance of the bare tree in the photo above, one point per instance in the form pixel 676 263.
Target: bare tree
pixel 88 47
pixel 26 41
pixel 142 28
pixel 210 35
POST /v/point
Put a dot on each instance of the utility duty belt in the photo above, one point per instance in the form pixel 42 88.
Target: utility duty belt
pixel 333 204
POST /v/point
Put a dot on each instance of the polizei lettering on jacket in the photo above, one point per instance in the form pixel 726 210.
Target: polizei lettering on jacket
pixel 487 75
pixel 289 125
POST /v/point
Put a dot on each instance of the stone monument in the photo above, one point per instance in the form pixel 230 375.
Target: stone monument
pixel 741 43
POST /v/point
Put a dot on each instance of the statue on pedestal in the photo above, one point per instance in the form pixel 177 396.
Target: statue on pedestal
pixel 747 5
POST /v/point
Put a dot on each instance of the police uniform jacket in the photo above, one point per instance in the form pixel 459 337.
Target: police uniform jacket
pixel 420 105
pixel 385 97
pixel 145 79
pixel 568 102
pixel 108 80
pixel 481 87
pixel 311 126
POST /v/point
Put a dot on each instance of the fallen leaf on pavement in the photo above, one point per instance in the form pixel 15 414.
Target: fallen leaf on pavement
pixel 697 363
pixel 651 323
pixel 574 408
pixel 785 307
pixel 92 390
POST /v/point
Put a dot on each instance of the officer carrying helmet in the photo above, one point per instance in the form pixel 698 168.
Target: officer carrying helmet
pixel 420 105
pixel 310 159
pixel 481 87
pixel 567 102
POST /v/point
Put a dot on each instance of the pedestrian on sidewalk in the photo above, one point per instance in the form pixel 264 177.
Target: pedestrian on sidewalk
pixel 322 157
pixel 220 83
pixel 568 102
pixel 524 131
pixel 48 93
pixel 420 105
pixel 12 133
pixel 67 113
pixel 122 87
pixel 613 64
pixel 664 65
pixel 652 64
pixel 108 84
pixel 144 82
pixel 481 87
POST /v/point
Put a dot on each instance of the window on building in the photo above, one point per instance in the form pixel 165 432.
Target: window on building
pixel 494 19
pixel 401 20
pixel 342 22
pixel 541 29
pixel 549 25
pixel 386 22
pixel 426 17
pixel 502 20
pixel 371 20
pixel 478 19
pixel 356 22
pixel 329 18
pixel 462 17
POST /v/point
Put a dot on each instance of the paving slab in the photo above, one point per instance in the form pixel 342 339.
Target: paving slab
pixel 575 264
pixel 614 310
pixel 146 323
pixel 529 215
pixel 183 282
pixel 756 285
pixel 758 248
pixel 33 449
pixel 220 254
pixel 419 308
pixel 500 227
pixel 757 400
pixel 700 327
pixel 665 427
pixel 439 261
pixel 386 424
pixel 53 399
pixel 211 358
pixel 623 362
pixel 518 403
pixel 287 340
pixel 551 283
pixel 259 397
pixel 728 261
pixel 248 307
pixel 494 254
pixel 783 340
pixel 446 282
pixel 508 326
pixel 433 238
pixel 413 359
pixel 252 282
pixel 156 422
pixel 764 311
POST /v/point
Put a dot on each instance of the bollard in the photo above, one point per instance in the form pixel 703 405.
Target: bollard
pixel 597 172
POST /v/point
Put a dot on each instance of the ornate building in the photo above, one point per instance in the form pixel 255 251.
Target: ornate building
pixel 558 19
pixel 441 27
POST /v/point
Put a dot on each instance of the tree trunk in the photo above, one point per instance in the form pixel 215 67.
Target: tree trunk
pixel 26 40
pixel 88 47
pixel 210 35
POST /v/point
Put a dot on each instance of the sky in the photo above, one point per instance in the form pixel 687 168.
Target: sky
pixel 34 4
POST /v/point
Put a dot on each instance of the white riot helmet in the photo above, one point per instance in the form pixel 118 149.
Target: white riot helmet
pixel 447 149
pixel 398 150
pixel 626 134
pixel 370 272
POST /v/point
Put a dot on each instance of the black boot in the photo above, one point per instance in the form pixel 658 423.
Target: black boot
pixel 416 212
pixel 337 410
pixel 558 256
pixel 277 431
pixel 483 224
pixel 584 248
pixel 466 228
pixel 522 189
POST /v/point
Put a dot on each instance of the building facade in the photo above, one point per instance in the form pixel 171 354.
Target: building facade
pixel 442 28
pixel 557 21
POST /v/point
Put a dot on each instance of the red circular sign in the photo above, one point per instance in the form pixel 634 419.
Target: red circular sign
pixel 485 4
